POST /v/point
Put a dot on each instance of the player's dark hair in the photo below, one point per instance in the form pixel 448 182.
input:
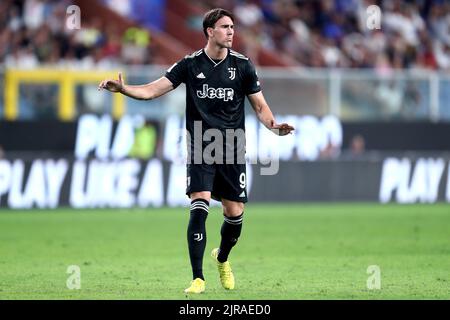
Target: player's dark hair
pixel 210 18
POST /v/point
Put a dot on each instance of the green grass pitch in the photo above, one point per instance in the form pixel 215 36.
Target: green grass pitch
pixel 298 251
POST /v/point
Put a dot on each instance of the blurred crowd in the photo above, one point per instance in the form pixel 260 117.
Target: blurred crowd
pixel 33 32
pixel 334 33
pixel 322 33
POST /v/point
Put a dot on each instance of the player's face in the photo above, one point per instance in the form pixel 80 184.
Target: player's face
pixel 223 31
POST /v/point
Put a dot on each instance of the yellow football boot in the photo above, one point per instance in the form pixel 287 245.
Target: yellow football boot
pixel 197 286
pixel 225 272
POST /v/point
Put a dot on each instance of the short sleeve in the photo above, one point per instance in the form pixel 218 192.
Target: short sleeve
pixel 251 81
pixel 177 73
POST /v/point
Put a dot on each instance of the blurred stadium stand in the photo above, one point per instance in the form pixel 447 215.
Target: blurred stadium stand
pixel 334 62
pixel 272 32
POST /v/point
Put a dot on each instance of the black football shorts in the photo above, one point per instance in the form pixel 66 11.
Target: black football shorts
pixel 224 181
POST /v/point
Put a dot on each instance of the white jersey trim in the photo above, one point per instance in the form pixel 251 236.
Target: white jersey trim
pixel 215 63
pixel 195 54
pixel 238 55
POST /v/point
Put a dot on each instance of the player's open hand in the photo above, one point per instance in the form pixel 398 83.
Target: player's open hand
pixel 112 85
pixel 281 129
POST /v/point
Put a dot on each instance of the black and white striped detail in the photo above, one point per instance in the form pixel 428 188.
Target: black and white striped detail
pixel 238 55
pixel 234 220
pixel 195 54
pixel 200 204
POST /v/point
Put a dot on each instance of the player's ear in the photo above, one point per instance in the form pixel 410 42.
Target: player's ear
pixel 210 30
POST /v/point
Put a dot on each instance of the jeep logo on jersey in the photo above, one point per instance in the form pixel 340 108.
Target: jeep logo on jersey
pixel 219 93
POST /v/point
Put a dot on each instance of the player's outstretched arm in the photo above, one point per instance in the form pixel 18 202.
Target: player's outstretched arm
pixel 147 91
pixel 265 115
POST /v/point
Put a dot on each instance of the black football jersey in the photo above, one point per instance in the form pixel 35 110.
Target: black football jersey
pixel 215 90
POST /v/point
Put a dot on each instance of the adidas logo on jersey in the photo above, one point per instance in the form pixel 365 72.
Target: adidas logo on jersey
pixel 219 93
pixel 201 76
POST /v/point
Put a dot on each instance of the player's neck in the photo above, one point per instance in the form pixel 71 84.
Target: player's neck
pixel 216 52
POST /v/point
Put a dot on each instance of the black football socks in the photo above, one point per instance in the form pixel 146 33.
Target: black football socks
pixel 230 231
pixel 196 235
